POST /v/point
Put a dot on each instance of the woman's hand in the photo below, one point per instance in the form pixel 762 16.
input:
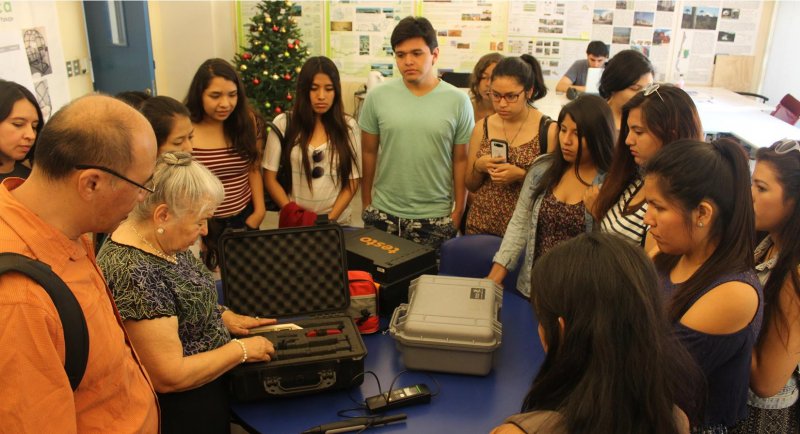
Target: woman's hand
pixel 485 163
pixel 505 173
pixel 240 325
pixel 254 220
pixel 259 349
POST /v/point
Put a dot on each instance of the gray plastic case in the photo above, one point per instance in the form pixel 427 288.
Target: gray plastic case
pixel 451 324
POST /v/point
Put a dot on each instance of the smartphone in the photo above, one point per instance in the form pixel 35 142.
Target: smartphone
pixel 499 148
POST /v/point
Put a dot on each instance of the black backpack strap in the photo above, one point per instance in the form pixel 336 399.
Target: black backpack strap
pixel 76 335
pixel 284 166
pixel 544 129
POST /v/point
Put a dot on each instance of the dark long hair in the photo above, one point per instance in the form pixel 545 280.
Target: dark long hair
pixel 595 124
pixel 526 70
pixel 688 172
pixel 480 67
pixel 301 126
pixel 239 127
pixel 787 172
pixel 616 366
pixel 670 115
pixel 161 112
pixel 10 93
pixel 623 70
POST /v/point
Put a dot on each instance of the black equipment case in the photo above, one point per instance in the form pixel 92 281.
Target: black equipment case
pixel 393 262
pixel 298 275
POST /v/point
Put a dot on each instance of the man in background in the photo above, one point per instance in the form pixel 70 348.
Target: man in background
pixel 575 77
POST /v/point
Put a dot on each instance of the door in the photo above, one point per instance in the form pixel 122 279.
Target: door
pixel 119 45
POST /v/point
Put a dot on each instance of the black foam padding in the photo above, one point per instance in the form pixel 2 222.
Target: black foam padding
pixel 285 272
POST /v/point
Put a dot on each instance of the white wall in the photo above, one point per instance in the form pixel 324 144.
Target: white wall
pixel 186 33
pixel 72 27
pixel 782 72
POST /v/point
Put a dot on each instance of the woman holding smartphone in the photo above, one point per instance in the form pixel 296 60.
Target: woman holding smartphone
pixel 496 181
pixel 550 209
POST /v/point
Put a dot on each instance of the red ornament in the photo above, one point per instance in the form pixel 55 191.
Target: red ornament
pixel 256 81
pixel 291 45
pixel 278 110
pixel 289 97
pixel 275 28
pixel 247 56
pixel 287 77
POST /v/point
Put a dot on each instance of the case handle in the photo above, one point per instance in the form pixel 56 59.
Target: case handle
pixel 325 379
pixel 398 317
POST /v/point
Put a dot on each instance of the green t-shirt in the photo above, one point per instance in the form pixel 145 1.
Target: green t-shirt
pixel 414 175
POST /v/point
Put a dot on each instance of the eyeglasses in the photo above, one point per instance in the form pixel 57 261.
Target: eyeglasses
pixel 146 188
pixel 786 145
pixel 317 157
pixel 651 89
pixel 509 97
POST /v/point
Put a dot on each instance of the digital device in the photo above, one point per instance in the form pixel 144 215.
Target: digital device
pixel 499 148
pixel 593 80
pixel 411 395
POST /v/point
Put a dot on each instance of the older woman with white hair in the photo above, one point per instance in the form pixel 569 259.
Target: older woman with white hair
pixel 168 302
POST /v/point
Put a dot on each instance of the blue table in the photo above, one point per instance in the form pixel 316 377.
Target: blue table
pixel 465 404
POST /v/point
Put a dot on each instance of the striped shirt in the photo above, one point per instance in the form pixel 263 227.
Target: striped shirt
pixel 233 171
pixel 624 221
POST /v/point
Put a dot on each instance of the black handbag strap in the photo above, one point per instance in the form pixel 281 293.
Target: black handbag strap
pixel 76 335
pixel 544 130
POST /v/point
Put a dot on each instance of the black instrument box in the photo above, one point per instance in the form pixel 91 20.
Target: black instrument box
pixel 298 275
pixel 393 262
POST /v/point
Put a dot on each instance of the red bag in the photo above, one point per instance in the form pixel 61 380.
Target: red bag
pixel 363 301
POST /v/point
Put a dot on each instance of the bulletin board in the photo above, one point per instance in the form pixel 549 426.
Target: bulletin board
pixel 679 37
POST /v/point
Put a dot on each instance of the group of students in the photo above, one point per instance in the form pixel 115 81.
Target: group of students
pixel 634 344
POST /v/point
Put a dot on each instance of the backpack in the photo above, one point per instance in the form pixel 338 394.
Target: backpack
pixel 76 335
pixel 363 301
pixel 284 168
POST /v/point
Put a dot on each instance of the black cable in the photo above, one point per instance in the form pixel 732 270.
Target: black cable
pixel 361 405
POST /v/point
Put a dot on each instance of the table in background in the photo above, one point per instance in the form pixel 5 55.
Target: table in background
pixel 465 404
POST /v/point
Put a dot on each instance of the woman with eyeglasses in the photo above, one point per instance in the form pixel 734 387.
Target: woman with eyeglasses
pixel 479 85
pixel 168 302
pixel 225 142
pixel 20 123
pixel 624 75
pixel 496 179
pixel 776 357
pixel 700 213
pixel 651 119
pixel 550 208
pixel 323 146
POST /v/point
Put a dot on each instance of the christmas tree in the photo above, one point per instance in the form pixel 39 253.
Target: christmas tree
pixel 271 63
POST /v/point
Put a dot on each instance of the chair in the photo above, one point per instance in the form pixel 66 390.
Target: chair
pixel 788 110
pixel 763 98
pixel 471 256
pixel 457 79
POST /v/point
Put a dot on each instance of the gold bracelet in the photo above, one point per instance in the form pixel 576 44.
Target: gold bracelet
pixel 244 349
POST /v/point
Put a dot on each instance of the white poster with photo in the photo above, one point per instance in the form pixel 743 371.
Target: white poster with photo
pixel 31 41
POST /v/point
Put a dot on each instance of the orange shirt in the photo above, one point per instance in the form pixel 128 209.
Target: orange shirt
pixel 115 394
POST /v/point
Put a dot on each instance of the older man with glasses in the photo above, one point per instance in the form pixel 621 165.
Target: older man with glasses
pixel 94 162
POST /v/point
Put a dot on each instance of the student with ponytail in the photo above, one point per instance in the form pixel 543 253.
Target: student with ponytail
pixel 496 181
pixel 700 214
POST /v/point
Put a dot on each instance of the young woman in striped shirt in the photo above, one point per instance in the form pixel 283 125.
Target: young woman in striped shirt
pixel 225 142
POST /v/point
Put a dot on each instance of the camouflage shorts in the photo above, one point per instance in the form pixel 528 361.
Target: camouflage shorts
pixel 430 232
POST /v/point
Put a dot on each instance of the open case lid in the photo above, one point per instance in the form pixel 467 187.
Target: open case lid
pixel 291 272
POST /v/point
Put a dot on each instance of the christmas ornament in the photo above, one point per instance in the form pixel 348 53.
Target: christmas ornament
pixel 274 28
pixel 265 47
pixel 256 81
pixel 289 97
pixel 283 29
pixel 243 67
pixel 260 29
pixel 267 104
pixel 297 70
pixel 268 19
pixel 263 56
pixel 275 76
pixel 278 110
pixel 265 72
pixel 291 45
pixel 287 77
pixel 246 56
pixel 285 54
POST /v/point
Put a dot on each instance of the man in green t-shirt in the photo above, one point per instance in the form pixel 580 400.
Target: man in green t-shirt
pixel 414 137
